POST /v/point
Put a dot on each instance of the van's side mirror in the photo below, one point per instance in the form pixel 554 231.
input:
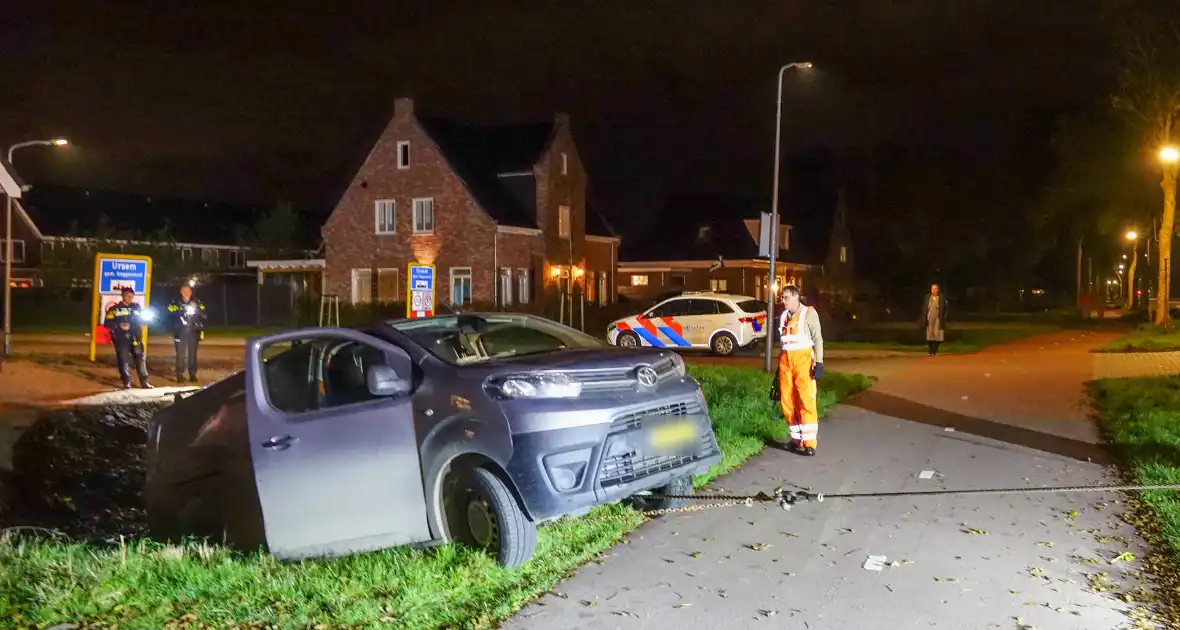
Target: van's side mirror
pixel 383 380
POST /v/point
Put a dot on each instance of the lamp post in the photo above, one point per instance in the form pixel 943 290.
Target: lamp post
pixel 56 142
pixel 1132 236
pixel 771 325
pixel 1169 156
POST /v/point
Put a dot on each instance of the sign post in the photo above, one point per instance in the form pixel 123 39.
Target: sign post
pixel 419 291
pixel 112 274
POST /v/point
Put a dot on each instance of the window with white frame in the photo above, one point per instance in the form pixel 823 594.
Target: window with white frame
pixel 18 250
pixel 522 286
pixel 235 258
pixel 506 286
pixel 718 285
pixel 602 289
pixel 362 286
pixel 565 164
pixel 387 285
pixel 423 216
pixel 563 221
pixel 843 254
pixel 639 280
pixel 403 154
pixel 384 213
pixel 210 256
pixel 186 254
pixel 460 285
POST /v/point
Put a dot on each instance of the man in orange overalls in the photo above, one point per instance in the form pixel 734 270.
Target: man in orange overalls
pixel 800 365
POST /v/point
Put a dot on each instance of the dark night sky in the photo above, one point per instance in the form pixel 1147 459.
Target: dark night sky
pixel 281 100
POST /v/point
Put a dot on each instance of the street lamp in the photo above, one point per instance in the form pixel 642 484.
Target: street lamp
pixel 56 142
pixel 773 269
pixel 1132 236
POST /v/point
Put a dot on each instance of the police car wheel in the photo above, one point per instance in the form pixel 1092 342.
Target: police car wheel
pixel 627 339
pixel 723 344
pixel 483 514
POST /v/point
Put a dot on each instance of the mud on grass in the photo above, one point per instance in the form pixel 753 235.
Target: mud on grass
pixel 143 584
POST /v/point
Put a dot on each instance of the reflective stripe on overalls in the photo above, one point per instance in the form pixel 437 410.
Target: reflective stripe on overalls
pixel 797 390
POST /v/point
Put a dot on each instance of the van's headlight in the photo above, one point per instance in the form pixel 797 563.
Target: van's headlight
pixel 539 385
pixel 677 364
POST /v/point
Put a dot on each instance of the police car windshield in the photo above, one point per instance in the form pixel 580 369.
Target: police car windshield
pixel 752 306
pixel 471 338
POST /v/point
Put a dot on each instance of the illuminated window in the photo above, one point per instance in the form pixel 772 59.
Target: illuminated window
pixel 384 213
pixel 563 221
pixel 639 280
pixel 423 216
pixel 387 285
pixel 718 285
pixel 843 254
pixel 362 286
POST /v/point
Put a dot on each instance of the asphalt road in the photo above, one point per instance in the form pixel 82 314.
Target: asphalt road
pixel 1046 561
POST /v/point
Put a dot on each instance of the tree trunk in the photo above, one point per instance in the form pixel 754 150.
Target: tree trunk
pixel 1078 277
pixel 1131 278
pixel 1163 296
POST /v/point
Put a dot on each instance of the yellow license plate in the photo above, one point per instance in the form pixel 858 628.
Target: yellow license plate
pixel 673 435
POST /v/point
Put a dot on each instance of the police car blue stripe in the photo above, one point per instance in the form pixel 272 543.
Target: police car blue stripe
pixel 648 337
pixel 676 339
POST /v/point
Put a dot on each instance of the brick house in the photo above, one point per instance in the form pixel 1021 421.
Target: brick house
pixel 710 243
pixel 499 211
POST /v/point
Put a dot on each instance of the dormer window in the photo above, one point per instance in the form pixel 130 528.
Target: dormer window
pixel 704 233
pixel 565 164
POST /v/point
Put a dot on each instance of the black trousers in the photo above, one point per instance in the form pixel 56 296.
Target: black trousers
pixel 129 356
pixel 186 353
pixel 934 347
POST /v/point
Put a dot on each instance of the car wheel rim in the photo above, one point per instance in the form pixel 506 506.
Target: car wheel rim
pixel 482 523
pixel 627 341
pixel 724 345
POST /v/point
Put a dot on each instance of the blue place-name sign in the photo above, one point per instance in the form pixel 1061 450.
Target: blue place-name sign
pixel 116 274
pixel 421 278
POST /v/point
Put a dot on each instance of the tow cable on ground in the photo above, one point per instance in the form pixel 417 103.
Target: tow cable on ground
pixel 787 499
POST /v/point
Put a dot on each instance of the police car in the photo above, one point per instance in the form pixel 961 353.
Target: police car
pixel 720 322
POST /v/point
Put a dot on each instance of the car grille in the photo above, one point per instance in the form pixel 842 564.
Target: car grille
pixel 631 466
pixel 627 468
pixel 615 379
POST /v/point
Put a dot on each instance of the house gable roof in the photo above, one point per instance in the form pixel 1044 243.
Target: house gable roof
pixel 480 155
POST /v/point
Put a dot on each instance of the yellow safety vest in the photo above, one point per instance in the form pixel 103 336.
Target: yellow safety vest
pixel 793 333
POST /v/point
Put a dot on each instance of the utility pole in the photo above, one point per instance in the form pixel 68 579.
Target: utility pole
pixel 772 270
pixel 1078 277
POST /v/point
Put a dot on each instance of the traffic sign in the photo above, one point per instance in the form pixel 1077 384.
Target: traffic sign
pixel 112 274
pixel 419 290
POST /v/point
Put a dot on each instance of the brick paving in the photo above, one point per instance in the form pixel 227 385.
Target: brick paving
pixel 1134 364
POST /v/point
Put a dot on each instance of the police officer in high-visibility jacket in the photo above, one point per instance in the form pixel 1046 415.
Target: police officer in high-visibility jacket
pixel 188 329
pixel 124 319
pixel 800 365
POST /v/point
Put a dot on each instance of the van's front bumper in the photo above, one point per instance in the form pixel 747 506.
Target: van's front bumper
pixel 570 470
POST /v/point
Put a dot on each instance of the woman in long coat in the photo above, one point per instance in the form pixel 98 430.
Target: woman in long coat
pixel 933 319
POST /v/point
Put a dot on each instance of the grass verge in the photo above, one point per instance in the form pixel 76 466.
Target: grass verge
pixel 143 584
pixel 1145 339
pixel 913 340
pixel 1141 419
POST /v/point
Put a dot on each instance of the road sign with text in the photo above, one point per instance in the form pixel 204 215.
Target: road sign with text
pixel 420 290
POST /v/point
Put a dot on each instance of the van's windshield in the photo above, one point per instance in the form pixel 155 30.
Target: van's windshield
pixel 476 338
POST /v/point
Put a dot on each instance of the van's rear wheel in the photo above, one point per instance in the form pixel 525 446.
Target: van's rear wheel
pixel 483 514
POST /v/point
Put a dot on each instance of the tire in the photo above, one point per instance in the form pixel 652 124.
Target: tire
pixel 723 344
pixel 483 514
pixel 627 339
pixel 679 485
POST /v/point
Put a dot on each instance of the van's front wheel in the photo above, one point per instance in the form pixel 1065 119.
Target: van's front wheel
pixel 483 514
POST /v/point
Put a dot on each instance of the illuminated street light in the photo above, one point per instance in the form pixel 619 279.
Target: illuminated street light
pixel 56 142
pixel 1170 154
pixel 1132 235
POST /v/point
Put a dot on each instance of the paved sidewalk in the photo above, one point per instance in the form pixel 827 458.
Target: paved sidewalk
pixel 1134 364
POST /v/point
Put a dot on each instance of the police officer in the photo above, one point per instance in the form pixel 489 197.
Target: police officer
pixel 188 329
pixel 124 320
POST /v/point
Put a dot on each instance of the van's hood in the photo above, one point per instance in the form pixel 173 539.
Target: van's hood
pixel 581 359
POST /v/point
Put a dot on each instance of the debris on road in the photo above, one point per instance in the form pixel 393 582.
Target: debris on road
pixel 874 563
pixel 926 474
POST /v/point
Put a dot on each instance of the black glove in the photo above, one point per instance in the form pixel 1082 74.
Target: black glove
pixel 817 371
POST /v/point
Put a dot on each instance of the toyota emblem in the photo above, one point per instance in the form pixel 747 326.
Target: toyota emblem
pixel 646 376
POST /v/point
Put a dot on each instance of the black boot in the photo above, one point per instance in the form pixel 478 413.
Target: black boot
pixel 792 446
pixel 807 451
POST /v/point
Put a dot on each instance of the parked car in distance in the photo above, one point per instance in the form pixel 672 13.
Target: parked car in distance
pixel 720 322
pixel 470 428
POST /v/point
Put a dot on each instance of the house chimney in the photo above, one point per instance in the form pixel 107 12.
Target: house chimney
pixel 403 106
pixel 561 119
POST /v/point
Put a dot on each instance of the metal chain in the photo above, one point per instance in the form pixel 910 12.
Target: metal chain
pixel 786 499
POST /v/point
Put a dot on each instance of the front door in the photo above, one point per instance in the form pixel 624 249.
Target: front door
pixel 336 467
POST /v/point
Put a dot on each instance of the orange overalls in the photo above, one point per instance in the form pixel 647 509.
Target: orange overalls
pixel 797 391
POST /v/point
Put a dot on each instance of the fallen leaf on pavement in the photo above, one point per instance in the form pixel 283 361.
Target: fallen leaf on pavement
pixel 758 546
pixel 975 532
pixel 589 603
pixel 695 554
pixel 768 613
pixel 1125 556
pixel 682 605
